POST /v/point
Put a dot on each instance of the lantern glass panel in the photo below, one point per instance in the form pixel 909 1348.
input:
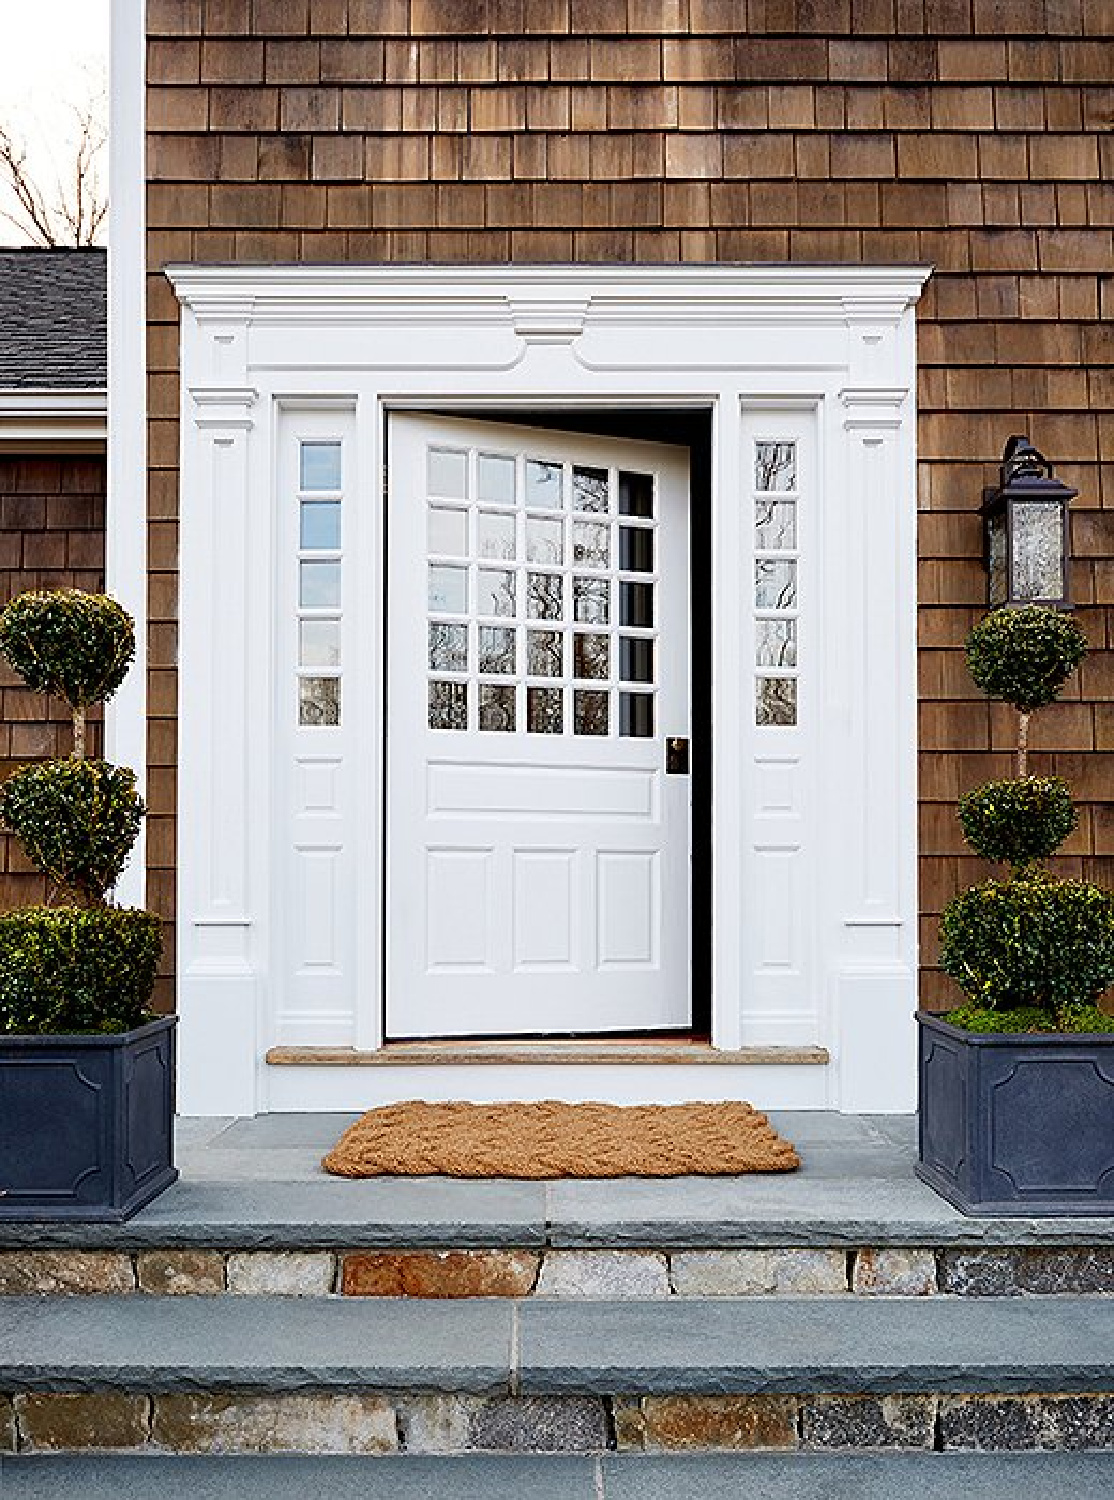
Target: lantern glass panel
pixel 1038 551
pixel 996 559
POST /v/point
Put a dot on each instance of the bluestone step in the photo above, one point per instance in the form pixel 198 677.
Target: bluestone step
pixel 535 1346
pixel 1052 1476
pixel 319 1212
pixel 763 1345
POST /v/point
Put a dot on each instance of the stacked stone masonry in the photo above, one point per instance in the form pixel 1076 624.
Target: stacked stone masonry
pixel 51 536
pixel 571 1274
pixel 971 134
pixel 390 1422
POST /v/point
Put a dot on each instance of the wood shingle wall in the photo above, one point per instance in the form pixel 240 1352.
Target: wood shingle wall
pixel 974 134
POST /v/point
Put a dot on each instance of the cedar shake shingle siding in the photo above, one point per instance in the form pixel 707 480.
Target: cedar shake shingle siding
pixel 973 134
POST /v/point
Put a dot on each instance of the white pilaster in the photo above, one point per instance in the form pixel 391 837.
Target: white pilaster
pixel 218 929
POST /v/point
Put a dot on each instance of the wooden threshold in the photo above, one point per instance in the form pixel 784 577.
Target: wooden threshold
pixel 543 1053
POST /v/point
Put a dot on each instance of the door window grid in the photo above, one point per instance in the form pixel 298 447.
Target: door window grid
pixel 319 506
pixel 776 497
pixel 542 595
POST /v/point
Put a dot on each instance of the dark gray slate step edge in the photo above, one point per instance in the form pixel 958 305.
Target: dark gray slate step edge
pixel 1052 1476
pixel 759 1345
pixel 432 1213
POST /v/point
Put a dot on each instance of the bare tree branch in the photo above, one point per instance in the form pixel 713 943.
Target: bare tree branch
pixel 80 205
pixel 33 217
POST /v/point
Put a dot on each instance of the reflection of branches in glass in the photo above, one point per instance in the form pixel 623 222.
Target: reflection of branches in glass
pixel 590 713
pixel 497 537
pixel 497 650
pixel 545 540
pixel 590 656
pixel 319 701
pixel 776 584
pixel 775 524
pixel 777 643
pixel 589 489
pixel 590 544
pixel 590 600
pixel 543 484
pixel 448 705
pixel 497 593
pixel 777 700
pixel 544 653
pixel 544 711
pixel 448 647
pixel 775 466
pixel 545 596
pixel 497 709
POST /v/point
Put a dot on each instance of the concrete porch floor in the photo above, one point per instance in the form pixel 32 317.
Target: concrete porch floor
pixel 258 1184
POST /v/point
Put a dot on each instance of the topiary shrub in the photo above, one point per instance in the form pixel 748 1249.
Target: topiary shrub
pixel 1024 656
pixel 77 819
pixel 74 968
pixel 78 646
pixel 1032 945
pixel 1017 822
pixel 1033 941
pixel 71 969
pixel 1087 1019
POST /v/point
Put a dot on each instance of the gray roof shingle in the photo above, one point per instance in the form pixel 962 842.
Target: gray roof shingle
pixel 53 319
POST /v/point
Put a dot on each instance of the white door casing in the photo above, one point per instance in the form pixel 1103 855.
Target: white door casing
pixel 833 797
pixel 538 861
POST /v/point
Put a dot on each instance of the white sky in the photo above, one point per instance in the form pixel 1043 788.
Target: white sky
pixel 53 54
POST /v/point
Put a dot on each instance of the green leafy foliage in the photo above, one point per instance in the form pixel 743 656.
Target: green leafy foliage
pixel 76 645
pixel 1032 941
pixel 1017 822
pixel 77 819
pixel 77 969
pixel 1024 656
pixel 1087 1019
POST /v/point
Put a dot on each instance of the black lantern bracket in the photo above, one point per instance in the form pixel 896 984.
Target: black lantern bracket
pixel 1026 535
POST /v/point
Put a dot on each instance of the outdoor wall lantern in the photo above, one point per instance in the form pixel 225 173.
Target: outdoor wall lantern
pixel 1025 530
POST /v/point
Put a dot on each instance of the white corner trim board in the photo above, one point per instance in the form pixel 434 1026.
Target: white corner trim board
pixel 126 508
pixel 295 590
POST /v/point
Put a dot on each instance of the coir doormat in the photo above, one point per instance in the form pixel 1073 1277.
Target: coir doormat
pixel 550 1139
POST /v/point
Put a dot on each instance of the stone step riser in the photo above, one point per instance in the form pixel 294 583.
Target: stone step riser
pixel 421 1424
pixel 605 1273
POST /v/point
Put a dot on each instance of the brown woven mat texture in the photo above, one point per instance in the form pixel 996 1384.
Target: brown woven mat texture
pixel 550 1139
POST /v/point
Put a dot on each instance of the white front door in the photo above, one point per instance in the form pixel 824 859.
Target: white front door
pixel 538 850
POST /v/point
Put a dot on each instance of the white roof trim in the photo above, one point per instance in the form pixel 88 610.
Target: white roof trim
pixel 41 418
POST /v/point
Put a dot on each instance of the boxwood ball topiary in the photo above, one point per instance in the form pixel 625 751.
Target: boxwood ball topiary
pixel 77 969
pixel 1033 941
pixel 1024 656
pixel 1017 822
pixel 76 645
pixel 77 819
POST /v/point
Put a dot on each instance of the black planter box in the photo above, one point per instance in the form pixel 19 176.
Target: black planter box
pixel 1017 1124
pixel 86 1123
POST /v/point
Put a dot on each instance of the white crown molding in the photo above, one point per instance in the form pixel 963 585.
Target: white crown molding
pixel 223 406
pixel 548 303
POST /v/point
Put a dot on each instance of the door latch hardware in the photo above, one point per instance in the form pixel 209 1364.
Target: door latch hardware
pixel 676 756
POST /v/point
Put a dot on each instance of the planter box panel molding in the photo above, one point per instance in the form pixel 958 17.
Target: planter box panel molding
pixel 1014 1124
pixel 86 1123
